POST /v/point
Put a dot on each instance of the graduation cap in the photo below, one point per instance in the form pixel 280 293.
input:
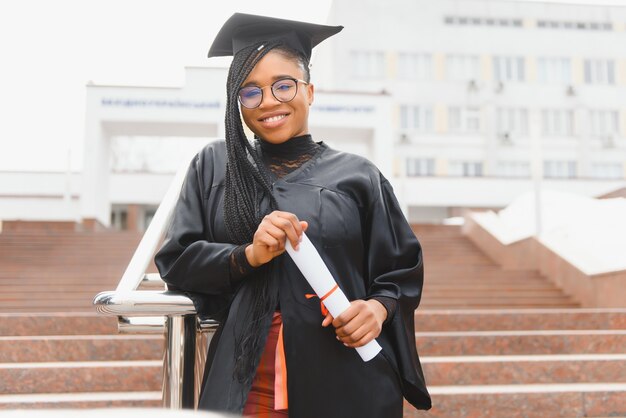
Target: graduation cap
pixel 243 30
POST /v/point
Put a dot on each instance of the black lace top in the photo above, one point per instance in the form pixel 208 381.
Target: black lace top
pixel 282 159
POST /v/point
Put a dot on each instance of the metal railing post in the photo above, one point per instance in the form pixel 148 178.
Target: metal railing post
pixel 178 362
pixel 206 331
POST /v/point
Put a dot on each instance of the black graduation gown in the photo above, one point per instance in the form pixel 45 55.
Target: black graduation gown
pixel 356 224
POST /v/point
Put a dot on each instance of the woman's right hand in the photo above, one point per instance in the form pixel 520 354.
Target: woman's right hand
pixel 271 235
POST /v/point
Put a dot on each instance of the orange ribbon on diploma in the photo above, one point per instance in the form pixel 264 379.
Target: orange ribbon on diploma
pixel 325 287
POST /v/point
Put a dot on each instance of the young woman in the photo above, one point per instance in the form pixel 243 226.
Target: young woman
pixel 277 351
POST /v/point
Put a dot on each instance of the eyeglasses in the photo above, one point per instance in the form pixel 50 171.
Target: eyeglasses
pixel 284 90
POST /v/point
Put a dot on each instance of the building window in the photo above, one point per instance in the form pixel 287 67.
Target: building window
pixel 512 121
pixel 607 170
pixel 568 24
pixel 557 122
pixel 462 67
pixel 482 21
pixel 554 70
pixel 416 118
pixel 599 71
pixel 416 167
pixel 513 169
pixel 119 218
pixel 603 123
pixel 368 64
pixel 508 69
pixel 466 169
pixel 464 119
pixel 414 66
pixel 149 213
pixel 559 169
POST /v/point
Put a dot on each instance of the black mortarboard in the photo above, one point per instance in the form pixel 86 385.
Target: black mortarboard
pixel 243 30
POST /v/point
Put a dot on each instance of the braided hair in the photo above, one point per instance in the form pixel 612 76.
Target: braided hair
pixel 247 184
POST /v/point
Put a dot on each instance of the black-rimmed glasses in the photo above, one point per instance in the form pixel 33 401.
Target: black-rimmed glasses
pixel 284 90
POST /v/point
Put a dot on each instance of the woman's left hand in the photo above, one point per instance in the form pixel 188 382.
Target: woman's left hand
pixel 360 323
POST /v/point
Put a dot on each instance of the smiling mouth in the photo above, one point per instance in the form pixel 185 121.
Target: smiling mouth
pixel 274 118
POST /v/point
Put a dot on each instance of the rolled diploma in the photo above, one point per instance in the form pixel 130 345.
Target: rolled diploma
pixel 317 274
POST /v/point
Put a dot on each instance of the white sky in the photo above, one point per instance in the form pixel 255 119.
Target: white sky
pixel 51 49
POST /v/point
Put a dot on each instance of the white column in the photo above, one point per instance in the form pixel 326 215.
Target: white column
pixel 582 133
pixel 95 202
pixel 492 141
pixel 382 138
pixel 536 163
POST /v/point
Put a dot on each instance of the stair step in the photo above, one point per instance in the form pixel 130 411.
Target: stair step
pixel 83 294
pixel 80 348
pixel 479 343
pixel 56 305
pixel 89 376
pixel 485 280
pixel 482 285
pixel 493 292
pixel 509 370
pixel 443 303
pixel 67 280
pixel 510 301
pixel 24 287
pixel 445 306
pixel 519 319
pixel 53 309
pixel 82 400
pixel 465 272
pixel 525 401
pixel 87 323
pixel 486 277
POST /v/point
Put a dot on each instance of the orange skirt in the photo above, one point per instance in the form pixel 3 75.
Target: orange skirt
pixel 268 391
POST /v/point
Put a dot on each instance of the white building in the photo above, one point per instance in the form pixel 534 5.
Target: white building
pixel 447 97
pixel 473 81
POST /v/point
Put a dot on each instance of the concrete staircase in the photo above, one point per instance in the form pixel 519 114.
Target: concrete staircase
pixel 498 343
pixel 55 351
pixel 493 343
pixel 523 363
pixel 61 271
pixel 76 360
pixel 459 275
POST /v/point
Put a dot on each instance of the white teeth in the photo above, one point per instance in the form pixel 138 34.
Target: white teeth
pixel 274 118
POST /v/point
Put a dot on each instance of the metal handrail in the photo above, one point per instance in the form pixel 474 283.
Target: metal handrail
pixel 162 311
pixel 144 303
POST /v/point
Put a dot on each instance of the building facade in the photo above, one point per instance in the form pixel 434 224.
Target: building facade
pixel 475 83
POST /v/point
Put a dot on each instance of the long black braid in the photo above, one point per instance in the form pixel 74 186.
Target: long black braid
pixel 247 183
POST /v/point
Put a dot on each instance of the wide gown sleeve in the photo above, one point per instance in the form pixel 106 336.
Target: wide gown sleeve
pixel 396 270
pixel 189 258
pixel 394 255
